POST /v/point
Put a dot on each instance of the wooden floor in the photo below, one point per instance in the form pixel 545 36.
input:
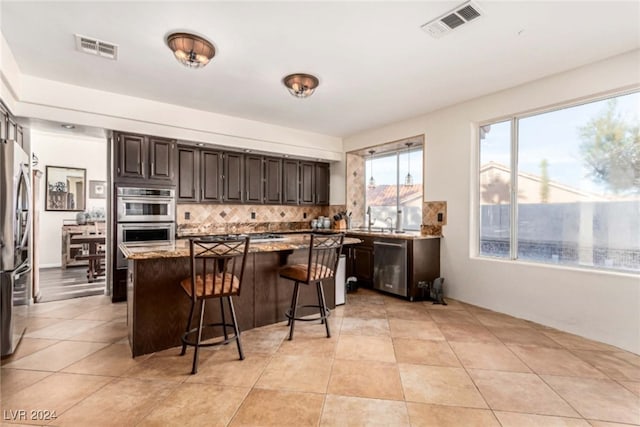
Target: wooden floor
pixel 59 284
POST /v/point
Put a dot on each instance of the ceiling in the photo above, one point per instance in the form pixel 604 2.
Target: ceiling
pixel 375 64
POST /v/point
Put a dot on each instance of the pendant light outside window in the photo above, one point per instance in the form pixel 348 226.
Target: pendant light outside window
pixel 191 50
pixel 372 181
pixel 408 180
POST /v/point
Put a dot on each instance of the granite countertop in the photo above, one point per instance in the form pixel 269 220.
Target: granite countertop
pixel 407 235
pixel 181 247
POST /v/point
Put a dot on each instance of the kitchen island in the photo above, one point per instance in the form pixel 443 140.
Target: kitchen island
pixel 157 307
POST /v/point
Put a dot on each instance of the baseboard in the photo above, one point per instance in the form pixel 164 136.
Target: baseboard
pixel 50 266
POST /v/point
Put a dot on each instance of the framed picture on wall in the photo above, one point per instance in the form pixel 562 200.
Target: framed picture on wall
pixel 97 190
pixel 66 189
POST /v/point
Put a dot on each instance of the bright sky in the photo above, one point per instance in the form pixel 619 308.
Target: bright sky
pixel 554 136
pixel 384 168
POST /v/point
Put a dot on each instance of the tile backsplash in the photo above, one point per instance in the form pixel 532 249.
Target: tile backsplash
pixel 430 223
pixel 430 211
pixel 356 189
pixel 217 218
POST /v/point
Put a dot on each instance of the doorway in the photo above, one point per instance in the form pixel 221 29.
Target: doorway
pixel 70 240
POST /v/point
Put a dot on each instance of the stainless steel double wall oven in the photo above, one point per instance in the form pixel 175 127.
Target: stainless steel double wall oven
pixel 145 216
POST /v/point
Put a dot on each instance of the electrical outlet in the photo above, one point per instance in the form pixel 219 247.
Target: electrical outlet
pixel 187 215
pixel 253 215
pixel 304 215
pixel 440 217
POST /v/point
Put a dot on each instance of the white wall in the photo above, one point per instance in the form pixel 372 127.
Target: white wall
pixel 63 150
pixel 598 305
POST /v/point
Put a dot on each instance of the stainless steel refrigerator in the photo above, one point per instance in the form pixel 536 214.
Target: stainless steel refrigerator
pixel 15 226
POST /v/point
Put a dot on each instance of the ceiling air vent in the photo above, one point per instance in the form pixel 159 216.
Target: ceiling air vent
pixel 96 47
pixel 453 19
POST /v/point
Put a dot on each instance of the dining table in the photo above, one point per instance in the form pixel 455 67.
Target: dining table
pixel 94 253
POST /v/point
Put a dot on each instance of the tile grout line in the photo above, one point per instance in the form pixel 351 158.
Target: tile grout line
pixel 534 373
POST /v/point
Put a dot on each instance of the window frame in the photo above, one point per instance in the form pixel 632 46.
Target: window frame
pixel 397 154
pixel 513 163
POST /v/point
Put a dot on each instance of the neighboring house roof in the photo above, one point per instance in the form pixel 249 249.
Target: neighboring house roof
pixel 385 195
pixel 496 169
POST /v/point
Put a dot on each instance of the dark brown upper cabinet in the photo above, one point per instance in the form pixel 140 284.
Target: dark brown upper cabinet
pixel 211 176
pixel 199 175
pixel 161 157
pixel 131 156
pixel 144 157
pixel 233 177
pixel 254 179
pixel 322 183
pixel 214 176
pixel 307 183
pixel 290 182
pixel 188 179
pixel 273 180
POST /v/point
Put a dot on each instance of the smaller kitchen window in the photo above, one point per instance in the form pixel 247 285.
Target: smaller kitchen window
pixel 394 184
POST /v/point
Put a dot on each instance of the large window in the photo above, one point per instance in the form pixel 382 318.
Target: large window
pixel 390 192
pixel 563 187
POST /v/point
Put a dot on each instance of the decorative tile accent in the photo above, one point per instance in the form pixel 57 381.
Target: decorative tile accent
pixel 356 189
pixel 223 214
pixel 430 211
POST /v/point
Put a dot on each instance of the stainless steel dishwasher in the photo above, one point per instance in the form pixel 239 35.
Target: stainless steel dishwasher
pixel 390 266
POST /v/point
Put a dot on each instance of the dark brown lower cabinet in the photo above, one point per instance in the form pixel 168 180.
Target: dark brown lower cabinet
pixel 119 289
pixel 423 259
pixel 158 307
pixel 423 262
pixel 360 261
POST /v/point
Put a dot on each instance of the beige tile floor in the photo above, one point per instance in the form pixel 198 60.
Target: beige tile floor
pixel 389 362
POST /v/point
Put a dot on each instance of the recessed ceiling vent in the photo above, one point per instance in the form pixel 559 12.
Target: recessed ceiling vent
pixel 453 19
pixel 96 47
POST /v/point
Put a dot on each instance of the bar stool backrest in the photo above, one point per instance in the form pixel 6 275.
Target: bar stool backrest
pixel 324 253
pixel 217 267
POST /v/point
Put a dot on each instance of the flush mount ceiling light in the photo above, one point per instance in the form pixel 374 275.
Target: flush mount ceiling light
pixel 190 50
pixel 68 126
pixel 408 180
pixel 301 85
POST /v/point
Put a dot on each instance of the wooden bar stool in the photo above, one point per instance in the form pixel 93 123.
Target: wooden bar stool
pixel 324 253
pixel 217 267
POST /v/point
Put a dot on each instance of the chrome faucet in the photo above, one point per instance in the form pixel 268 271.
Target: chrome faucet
pixel 370 221
pixel 389 222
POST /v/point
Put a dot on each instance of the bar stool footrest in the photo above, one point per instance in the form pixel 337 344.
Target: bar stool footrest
pixel 230 338
pixel 319 316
